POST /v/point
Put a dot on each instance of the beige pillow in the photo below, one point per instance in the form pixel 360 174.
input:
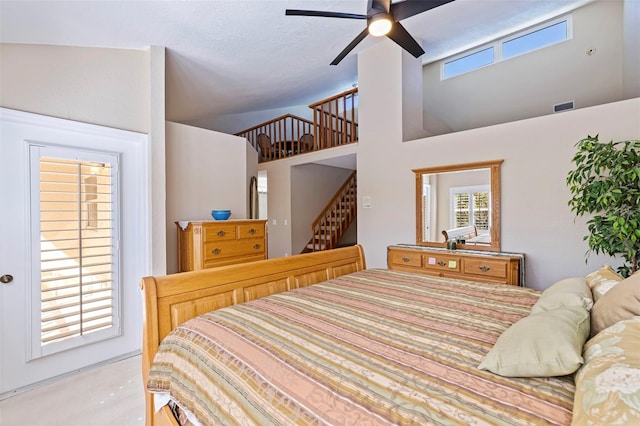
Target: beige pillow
pixel 608 384
pixel 541 345
pixel 567 292
pixel 603 280
pixel 620 303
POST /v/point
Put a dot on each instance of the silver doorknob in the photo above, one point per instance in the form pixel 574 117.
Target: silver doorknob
pixel 6 279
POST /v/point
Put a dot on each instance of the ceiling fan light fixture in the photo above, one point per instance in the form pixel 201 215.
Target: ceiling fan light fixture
pixel 380 25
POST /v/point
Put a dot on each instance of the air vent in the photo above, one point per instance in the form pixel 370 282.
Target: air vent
pixel 565 106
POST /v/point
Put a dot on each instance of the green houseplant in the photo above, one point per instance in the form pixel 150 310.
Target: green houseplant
pixel 606 185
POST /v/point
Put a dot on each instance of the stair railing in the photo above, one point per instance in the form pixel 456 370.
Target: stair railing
pixel 335 218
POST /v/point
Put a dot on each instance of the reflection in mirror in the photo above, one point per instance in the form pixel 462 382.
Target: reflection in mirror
pixel 459 203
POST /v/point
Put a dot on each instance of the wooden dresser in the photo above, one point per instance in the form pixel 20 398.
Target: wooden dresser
pixel 497 267
pixel 211 243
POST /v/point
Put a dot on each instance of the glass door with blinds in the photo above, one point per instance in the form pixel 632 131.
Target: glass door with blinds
pixel 75 242
pixel 75 235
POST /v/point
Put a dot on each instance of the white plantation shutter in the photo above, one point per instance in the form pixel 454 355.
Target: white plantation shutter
pixel 481 210
pixel 471 206
pixel 77 240
pixel 461 208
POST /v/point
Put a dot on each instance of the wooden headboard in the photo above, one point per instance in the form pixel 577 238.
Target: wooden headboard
pixel 173 299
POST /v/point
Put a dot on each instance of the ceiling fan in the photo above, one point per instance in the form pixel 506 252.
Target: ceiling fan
pixel 382 19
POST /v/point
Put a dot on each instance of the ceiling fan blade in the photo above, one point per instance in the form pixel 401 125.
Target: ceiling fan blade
pixel 350 47
pixel 402 37
pixel 297 12
pixel 408 8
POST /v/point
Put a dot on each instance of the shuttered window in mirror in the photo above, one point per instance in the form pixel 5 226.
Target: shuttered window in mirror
pixel 471 206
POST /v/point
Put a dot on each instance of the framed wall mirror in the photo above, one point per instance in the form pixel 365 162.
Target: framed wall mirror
pixel 460 203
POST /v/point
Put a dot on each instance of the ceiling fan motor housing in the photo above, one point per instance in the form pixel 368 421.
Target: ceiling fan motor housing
pixel 381 20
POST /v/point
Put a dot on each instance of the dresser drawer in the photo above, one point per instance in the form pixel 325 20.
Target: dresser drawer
pixel 223 249
pixel 486 267
pixel 442 262
pixel 406 258
pixel 219 232
pixel 250 231
pixel 466 265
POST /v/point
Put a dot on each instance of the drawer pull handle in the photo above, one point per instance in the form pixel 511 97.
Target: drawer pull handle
pixel 442 263
pixel 221 233
pixel 252 231
pixel 405 259
pixel 216 251
pixel 256 246
pixel 484 268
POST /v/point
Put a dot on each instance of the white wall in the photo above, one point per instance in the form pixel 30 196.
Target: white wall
pixel 206 170
pixel 528 85
pixel 537 153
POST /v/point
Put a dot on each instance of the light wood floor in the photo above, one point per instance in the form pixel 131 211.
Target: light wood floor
pixel 103 396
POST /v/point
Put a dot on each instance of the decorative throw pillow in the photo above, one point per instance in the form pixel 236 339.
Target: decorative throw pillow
pixel 620 303
pixel 567 292
pixel 541 345
pixel 608 384
pixel 602 280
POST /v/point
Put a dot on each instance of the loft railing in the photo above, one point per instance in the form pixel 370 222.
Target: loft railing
pixel 334 124
pixel 335 218
pixel 280 137
pixel 335 119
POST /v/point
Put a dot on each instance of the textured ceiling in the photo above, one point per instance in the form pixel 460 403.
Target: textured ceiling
pixel 233 56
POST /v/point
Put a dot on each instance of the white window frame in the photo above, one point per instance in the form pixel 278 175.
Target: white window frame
pixel 497 45
pixel 470 190
pixel 426 211
pixel 443 76
pixel 45 150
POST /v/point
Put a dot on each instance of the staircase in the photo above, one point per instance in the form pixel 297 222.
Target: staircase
pixel 335 218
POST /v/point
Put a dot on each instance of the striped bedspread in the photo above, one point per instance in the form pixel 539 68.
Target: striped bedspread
pixel 373 347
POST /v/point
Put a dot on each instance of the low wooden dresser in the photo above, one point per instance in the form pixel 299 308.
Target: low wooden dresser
pixel 212 243
pixel 483 266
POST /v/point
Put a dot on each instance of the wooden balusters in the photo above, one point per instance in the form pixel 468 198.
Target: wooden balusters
pixel 334 124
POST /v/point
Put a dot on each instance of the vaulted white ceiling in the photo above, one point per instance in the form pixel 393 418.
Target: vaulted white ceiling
pixel 232 56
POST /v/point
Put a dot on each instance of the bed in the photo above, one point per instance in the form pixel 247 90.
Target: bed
pixel 259 344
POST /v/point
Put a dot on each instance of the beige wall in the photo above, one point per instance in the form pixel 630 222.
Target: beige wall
pixel 206 170
pixel 108 87
pixel 631 55
pixel 520 87
pixel 537 156
pixel 157 200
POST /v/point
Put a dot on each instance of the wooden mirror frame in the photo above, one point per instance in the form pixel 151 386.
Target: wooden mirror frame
pixel 494 167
